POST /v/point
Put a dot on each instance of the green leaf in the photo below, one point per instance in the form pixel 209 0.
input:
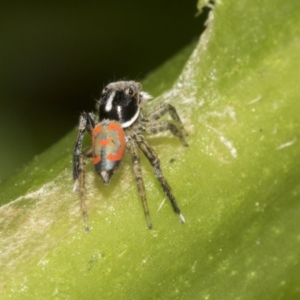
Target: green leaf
pixel 237 183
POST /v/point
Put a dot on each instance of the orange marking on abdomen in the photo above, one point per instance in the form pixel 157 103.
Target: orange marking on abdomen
pixel 104 142
pixel 97 129
pixel 96 159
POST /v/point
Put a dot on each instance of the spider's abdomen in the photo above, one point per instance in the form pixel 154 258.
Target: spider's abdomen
pixel 108 148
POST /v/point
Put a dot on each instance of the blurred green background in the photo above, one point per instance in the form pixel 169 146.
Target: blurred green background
pixel 56 56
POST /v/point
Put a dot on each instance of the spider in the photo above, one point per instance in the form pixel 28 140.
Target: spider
pixel 117 126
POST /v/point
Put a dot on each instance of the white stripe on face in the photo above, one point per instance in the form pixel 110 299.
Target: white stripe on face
pixel 108 105
pixel 131 121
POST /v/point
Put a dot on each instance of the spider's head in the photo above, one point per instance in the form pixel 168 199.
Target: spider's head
pixel 121 101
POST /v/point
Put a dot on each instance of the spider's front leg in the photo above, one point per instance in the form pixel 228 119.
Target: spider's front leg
pixel 153 127
pixel 154 160
pixel 130 145
pixel 86 123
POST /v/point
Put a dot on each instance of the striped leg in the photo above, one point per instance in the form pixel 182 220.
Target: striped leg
pixel 86 123
pixel 139 179
pixel 162 110
pixel 163 126
pixel 80 185
pixel 153 159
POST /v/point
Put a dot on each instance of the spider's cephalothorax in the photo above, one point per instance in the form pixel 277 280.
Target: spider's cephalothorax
pixel 121 101
pixel 118 126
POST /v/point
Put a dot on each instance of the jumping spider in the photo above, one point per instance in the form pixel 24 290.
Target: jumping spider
pixel 118 126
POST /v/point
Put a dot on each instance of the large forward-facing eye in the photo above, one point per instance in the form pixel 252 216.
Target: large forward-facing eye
pixel 104 90
pixel 129 91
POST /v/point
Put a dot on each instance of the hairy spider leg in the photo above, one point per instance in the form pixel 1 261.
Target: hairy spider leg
pixel 86 123
pixel 154 161
pixel 81 185
pixel 130 145
pixel 163 126
pixel 161 111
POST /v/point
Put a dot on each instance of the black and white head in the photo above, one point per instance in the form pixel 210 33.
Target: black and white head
pixel 121 101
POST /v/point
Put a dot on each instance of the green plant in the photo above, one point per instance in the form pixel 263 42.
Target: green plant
pixel 237 184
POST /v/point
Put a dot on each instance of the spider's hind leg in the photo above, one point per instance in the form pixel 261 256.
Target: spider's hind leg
pixel 154 160
pixel 80 185
pixel 86 123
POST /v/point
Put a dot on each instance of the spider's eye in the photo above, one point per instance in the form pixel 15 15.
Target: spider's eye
pixel 104 90
pixel 130 91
